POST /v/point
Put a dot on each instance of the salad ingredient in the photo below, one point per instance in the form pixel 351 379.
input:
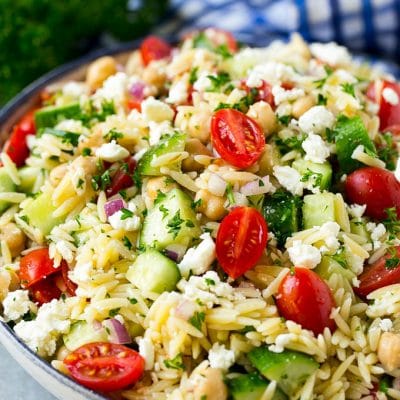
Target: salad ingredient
pixel 122 178
pixel 117 332
pixel 6 185
pixel 318 208
pixel 383 272
pixel 154 48
pixel 211 206
pixel 99 70
pixel 320 175
pixel 27 176
pixel 241 240
pixel 70 286
pixel 375 187
pixel 50 116
pixel 329 266
pixel 305 298
pixel 105 366
pixel 237 138
pixel 290 369
pixel 45 290
pixel 112 206
pixel 389 350
pixel 82 332
pixel 14 238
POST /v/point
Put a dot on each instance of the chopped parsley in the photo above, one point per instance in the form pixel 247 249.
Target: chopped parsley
pixel 392 224
pixel 219 82
pixel 291 143
pixel 164 210
pixel 393 260
pixel 132 300
pixel 229 194
pixel 340 258
pixel 175 224
pixel 113 135
pixel 126 213
pixel 66 137
pixel 284 119
pixel 197 320
pixel 243 104
pixel 112 313
pixel 314 177
pixel 80 183
pixel 160 197
pixel 321 82
pixel 209 281
pixel 193 75
pixel 196 204
pixel 387 152
pixel 348 88
pixel 86 151
pixel 175 363
pixel 24 218
pixel 321 100
pixel 101 181
pixel 223 51
pixel 127 243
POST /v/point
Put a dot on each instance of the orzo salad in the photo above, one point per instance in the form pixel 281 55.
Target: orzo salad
pixel 210 221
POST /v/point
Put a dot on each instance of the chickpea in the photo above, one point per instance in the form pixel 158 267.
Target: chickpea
pixel 211 206
pixel 262 113
pixel 212 387
pixel 155 185
pixel 154 74
pixel 301 105
pixel 14 237
pixel 194 147
pixel 134 64
pixel 389 350
pixel 99 70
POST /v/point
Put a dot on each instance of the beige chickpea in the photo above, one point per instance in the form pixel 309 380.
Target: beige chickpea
pixel 389 350
pixel 263 113
pixel 194 147
pixel 212 387
pixel 14 237
pixel 211 206
pixel 154 74
pixel 134 65
pixel 99 70
pixel 155 185
pixel 301 105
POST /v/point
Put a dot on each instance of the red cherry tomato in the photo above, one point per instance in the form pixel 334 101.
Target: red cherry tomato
pixel 306 299
pixel 264 92
pixel 70 286
pixel 237 138
pixel 122 178
pixel 375 187
pixel 389 114
pixel 36 266
pixel 16 146
pixel 154 48
pixel 219 37
pixel 45 290
pixel 241 240
pixel 105 367
pixel 393 129
pixel 379 274
pixel 133 104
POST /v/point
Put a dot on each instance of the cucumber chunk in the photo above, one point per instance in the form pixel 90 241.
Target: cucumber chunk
pixel 349 133
pixel 52 115
pixel 172 221
pixel 152 271
pixel 170 144
pixel 290 368
pixel 318 209
pixel 6 185
pixel 329 266
pixel 321 173
pixel 66 137
pixel 28 176
pixel 251 387
pixel 39 213
pixel 282 211
pixel 82 333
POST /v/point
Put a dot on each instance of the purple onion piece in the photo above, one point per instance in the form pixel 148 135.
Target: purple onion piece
pixel 112 206
pixel 137 90
pixel 117 331
pixel 171 254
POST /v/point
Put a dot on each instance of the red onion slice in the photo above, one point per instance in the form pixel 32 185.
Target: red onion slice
pixel 112 206
pixel 117 332
pixel 137 90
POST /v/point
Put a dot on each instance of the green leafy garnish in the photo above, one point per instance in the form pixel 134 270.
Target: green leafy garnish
pixel 219 82
pixel 392 223
pixel 348 88
pixel 113 135
pixel 175 363
pixel 126 213
pixel 127 243
pixel 175 224
pixel 314 177
pixel 197 320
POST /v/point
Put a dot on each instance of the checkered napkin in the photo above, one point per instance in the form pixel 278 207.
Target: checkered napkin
pixel 367 26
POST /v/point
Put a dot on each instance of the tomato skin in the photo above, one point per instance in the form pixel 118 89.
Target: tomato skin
pixel 133 104
pixel 70 286
pixel 375 187
pixel 237 138
pixel 306 299
pixel 241 240
pixel 36 266
pixel 393 129
pixel 17 147
pixel 122 179
pixel 46 290
pixel 376 275
pixel 105 367
pixel 154 48
pixel 264 92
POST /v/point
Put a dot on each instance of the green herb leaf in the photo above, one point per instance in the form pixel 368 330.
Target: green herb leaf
pixel 127 243
pixel 112 313
pixel 193 75
pixel 348 88
pixel 314 177
pixel 126 213
pixel 197 320
pixel 175 363
pixel 218 82
pixel 113 135
pixel 175 224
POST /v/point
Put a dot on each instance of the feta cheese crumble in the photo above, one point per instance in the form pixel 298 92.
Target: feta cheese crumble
pixel 112 152
pixel 290 179
pixel 125 218
pixel 316 120
pixel 178 93
pixel 390 96
pixel 156 110
pixel 114 88
pixel 331 53
pixel 17 304
pixel 146 350
pixel 220 357
pixel 357 210
pixel 281 95
pixel 304 255
pixel 316 149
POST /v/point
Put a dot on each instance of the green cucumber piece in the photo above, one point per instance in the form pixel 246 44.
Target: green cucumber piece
pixel 39 213
pixel 318 209
pixel 282 212
pixel 251 387
pixel 152 271
pixel 66 137
pixel 350 133
pixel 358 227
pixel 6 185
pixel 28 176
pixel 290 369
pixel 52 115
pixel 171 221
pixel 329 266
pixel 321 172
pixel 82 333
pixel 175 142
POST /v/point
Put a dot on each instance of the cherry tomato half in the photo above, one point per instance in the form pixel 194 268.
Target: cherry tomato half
pixel 375 187
pixel 393 129
pixel 154 48
pixel 17 147
pixel 46 290
pixel 238 139
pixel 379 274
pixel 36 266
pixel 306 299
pixel 122 178
pixel 70 286
pixel 241 240
pixel 389 113
pixel 105 367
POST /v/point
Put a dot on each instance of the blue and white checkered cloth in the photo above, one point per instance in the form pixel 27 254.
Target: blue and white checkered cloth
pixel 367 26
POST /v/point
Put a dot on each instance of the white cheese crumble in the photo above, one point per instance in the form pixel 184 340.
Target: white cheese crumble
pixel 112 152
pixel 316 120
pixel 146 350
pixel 386 324
pixel 122 220
pixel 330 231
pixel 203 81
pixel 316 149
pixel 304 255
pixel 114 88
pixel 178 92
pixel 272 72
pixel 220 357
pixel 81 273
pixel 42 334
pixel 331 53
pixel 156 110
pixel 17 304
pixel 390 96
pixel 74 89
pixel 281 341
pixel 377 232
pixel 357 210
pixel 198 260
pixel 156 130
pixel 281 95
pixel 290 179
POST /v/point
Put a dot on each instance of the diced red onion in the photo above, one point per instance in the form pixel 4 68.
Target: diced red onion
pixel 175 252
pixel 137 90
pixel 172 255
pixel 112 206
pixel 117 331
pixel 259 186
pixel 185 309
